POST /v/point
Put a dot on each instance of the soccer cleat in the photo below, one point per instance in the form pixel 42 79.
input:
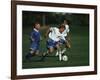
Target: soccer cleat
pixel 43 56
pixel 28 56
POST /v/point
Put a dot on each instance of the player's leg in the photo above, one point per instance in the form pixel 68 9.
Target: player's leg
pixel 61 43
pixel 30 54
pixel 50 48
pixel 59 51
pixel 50 45
pixel 67 45
pixel 49 51
pixel 37 50
pixel 32 50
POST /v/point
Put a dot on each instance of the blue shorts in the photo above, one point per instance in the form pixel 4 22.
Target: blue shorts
pixel 34 46
pixel 51 43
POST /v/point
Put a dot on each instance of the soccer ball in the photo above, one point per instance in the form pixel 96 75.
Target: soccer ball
pixel 65 58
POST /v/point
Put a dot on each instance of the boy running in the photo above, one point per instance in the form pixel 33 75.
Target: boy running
pixel 35 41
pixel 54 36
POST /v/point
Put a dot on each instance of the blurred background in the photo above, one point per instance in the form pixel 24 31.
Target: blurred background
pixel 53 18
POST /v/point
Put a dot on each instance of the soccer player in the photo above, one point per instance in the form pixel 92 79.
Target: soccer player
pixel 54 35
pixel 66 35
pixel 35 41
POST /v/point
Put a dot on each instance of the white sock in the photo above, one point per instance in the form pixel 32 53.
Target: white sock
pixel 56 53
pixel 60 56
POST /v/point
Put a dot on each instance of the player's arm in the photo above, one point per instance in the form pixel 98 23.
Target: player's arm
pixel 31 36
pixel 68 33
pixel 68 36
pixel 32 39
pixel 61 37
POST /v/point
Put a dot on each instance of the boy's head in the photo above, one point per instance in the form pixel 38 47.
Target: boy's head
pixel 61 28
pixel 66 22
pixel 37 25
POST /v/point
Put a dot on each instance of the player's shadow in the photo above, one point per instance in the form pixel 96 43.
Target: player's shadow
pixel 33 59
pixel 38 59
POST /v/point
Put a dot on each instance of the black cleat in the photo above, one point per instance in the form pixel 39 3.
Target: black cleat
pixel 28 56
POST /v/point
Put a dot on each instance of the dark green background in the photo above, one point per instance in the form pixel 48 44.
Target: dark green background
pixel 78 55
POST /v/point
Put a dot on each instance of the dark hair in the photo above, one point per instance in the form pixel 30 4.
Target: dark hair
pixel 62 26
pixel 36 24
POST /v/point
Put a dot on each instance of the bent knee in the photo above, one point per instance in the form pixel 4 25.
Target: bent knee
pixel 51 50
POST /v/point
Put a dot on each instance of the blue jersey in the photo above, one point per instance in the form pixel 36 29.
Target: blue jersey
pixel 35 35
pixel 35 40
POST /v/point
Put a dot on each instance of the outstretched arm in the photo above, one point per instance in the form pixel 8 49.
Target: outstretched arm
pixel 68 36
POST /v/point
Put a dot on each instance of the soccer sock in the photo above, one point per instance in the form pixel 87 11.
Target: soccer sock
pixel 57 53
pixel 60 55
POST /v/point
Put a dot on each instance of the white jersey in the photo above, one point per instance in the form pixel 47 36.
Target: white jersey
pixel 64 33
pixel 55 34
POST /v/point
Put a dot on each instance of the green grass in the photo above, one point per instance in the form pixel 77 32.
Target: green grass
pixel 78 55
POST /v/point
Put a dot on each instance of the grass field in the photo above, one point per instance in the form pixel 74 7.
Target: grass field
pixel 78 55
